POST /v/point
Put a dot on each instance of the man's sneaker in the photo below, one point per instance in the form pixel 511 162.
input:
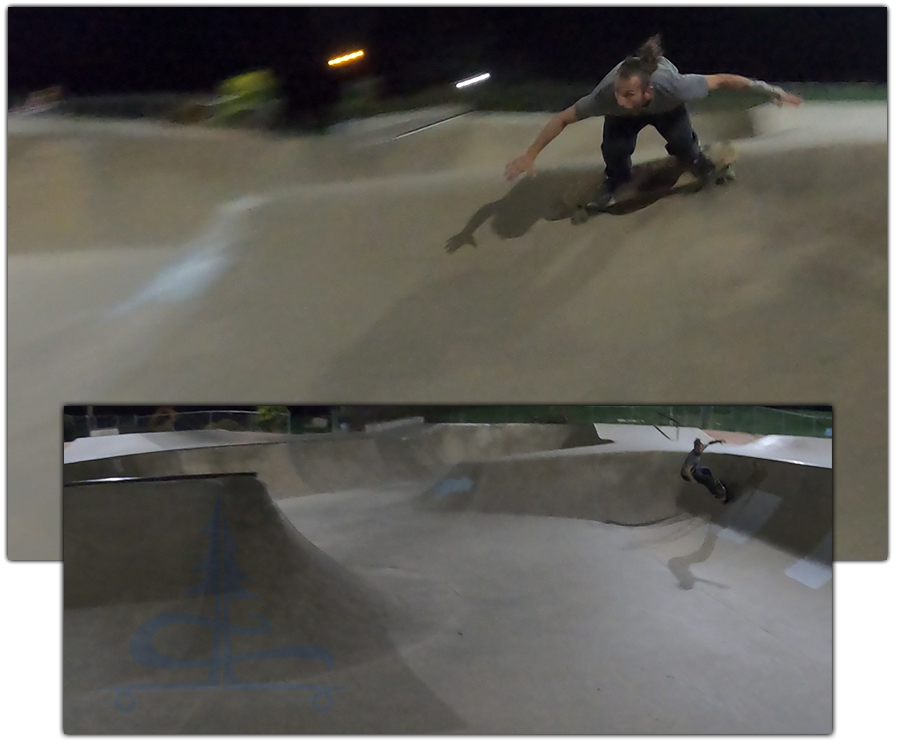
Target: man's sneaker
pixel 724 176
pixel 602 198
pixel 704 170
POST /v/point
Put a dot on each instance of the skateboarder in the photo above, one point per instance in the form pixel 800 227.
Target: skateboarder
pixel 692 471
pixel 642 90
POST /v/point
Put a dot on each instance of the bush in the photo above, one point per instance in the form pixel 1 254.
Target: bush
pixel 273 418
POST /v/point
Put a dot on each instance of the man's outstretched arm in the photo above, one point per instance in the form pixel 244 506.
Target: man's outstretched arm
pixel 555 125
pixel 735 83
pixel 559 122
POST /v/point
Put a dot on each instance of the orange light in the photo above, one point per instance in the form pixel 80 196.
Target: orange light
pixel 344 59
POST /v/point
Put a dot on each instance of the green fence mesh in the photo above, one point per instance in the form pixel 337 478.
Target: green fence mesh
pixel 756 420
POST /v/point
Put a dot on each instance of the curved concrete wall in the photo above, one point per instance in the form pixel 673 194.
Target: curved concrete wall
pixel 287 613
pixel 786 504
pixel 324 463
pixel 434 622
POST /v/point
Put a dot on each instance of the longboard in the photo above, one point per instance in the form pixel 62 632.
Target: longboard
pixel 649 182
pixel 725 492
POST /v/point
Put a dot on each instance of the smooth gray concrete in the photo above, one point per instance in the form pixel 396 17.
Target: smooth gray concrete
pixel 499 614
pixel 170 265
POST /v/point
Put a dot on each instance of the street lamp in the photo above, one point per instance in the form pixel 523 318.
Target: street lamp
pixel 346 59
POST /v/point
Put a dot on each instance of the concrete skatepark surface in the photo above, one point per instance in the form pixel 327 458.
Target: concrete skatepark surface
pixel 578 590
pixel 166 265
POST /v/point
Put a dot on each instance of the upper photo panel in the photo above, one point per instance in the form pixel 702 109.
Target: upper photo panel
pixel 447 205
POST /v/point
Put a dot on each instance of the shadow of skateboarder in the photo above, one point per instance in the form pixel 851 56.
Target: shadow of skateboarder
pixel 556 194
pixel 681 566
pixel 528 201
pixel 716 522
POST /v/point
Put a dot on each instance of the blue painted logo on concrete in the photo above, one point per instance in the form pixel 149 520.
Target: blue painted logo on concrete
pixel 450 486
pixel 221 577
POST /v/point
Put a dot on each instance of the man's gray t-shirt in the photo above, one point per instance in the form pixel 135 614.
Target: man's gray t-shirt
pixel 671 89
pixel 691 462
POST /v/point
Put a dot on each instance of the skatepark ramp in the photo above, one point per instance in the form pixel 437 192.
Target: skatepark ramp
pixel 83 183
pixel 198 605
pixel 160 574
pixel 295 466
pixel 786 504
pixel 155 265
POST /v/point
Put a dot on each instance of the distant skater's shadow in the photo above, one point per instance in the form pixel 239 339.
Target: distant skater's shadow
pixel 681 566
pixel 530 199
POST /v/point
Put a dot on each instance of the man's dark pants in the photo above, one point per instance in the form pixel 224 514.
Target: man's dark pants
pixel 620 138
pixel 704 476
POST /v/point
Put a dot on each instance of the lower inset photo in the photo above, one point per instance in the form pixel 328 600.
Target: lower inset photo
pixel 539 569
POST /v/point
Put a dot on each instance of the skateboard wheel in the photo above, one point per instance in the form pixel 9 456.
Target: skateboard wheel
pixel 725 176
pixel 580 216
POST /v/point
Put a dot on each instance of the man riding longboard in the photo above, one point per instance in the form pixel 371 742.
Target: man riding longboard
pixel 649 182
pixel 646 89
pixel 693 471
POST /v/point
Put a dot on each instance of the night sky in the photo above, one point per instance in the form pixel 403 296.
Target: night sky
pixel 123 50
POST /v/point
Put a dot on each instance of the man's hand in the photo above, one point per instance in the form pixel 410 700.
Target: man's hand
pixel 521 165
pixel 459 240
pixel 776 94
pixel 786 98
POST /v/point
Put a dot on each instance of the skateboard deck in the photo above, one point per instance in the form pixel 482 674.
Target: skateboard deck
pixel 742 486
pixel 649 182
pixel 725 492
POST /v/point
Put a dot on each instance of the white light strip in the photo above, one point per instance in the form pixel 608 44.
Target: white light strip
pixel 475 79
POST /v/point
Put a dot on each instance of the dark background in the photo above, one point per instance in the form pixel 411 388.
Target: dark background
pixel 108 50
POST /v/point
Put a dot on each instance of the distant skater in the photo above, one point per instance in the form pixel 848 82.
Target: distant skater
pixel 693 471
pixel 646 89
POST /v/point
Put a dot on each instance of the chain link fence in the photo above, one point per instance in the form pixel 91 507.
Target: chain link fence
pixel 247 421
pixel 755 420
